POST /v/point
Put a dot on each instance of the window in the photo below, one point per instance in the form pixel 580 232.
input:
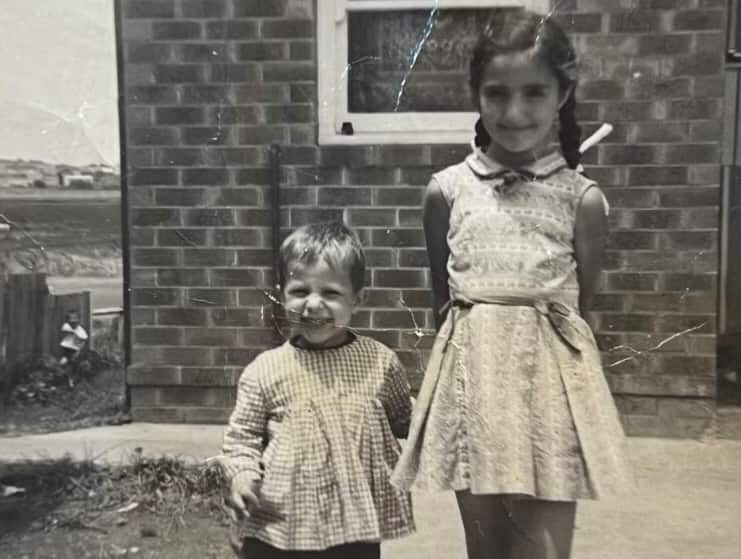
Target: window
pixel 396 71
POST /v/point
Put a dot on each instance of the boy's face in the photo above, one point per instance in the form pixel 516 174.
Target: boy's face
pixel 319 300
pixel 74 319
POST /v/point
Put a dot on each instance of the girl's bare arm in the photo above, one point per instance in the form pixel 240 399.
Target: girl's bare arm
pixel 436 223
pixel 590 234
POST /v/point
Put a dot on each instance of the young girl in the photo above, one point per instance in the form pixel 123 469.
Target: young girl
pixel 311 443
pixel 514 413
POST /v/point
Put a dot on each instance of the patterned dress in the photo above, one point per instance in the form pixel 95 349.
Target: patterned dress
pixel 514 400
pixel 317 429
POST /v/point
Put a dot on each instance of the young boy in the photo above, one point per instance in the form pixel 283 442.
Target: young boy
pixel 312 440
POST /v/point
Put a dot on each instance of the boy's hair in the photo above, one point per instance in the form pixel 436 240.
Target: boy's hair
pixel 511 31
pixel 334 242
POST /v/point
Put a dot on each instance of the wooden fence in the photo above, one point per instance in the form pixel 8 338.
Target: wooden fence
pixel 31 318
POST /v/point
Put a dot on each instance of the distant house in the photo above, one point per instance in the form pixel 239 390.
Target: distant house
pixel 76 180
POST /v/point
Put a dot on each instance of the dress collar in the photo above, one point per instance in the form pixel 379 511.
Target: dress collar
pixel 487 168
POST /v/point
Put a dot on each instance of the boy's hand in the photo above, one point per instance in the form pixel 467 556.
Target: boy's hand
pixel 243 498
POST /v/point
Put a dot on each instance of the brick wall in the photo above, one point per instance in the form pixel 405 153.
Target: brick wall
pixel 209 84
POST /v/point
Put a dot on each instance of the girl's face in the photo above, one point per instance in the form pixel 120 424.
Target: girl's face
pixel 320 301
pixel 518 100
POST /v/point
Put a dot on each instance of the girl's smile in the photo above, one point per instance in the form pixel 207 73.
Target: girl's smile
pixel 518 100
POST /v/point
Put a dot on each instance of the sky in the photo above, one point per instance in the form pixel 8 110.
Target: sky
pixel 58 92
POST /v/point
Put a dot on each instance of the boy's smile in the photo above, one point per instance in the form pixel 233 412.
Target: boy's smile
pixel 319 300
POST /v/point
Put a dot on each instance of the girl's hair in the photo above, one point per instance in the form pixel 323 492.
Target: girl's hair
pixel 510 31
pixel 334 242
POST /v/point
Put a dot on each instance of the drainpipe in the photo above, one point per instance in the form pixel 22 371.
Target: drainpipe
pixel 275 168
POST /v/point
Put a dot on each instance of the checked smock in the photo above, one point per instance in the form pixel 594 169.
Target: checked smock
pixel 318 428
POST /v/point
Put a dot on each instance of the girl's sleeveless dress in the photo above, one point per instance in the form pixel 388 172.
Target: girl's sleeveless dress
pixel 514 399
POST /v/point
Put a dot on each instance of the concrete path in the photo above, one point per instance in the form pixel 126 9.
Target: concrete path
pixel 687 503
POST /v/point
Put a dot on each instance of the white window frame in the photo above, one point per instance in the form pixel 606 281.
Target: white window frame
pixel 384 128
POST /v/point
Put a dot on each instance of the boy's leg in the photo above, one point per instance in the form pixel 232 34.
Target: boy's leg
pixel 486 525
pixel 547 528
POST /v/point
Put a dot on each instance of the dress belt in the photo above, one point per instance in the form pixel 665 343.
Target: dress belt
pixel 562 318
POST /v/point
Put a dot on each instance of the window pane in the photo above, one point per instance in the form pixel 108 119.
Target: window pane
pixel 381 51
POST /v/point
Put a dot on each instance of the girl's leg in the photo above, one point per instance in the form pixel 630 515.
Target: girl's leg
pixel 486 525
pixel 543 529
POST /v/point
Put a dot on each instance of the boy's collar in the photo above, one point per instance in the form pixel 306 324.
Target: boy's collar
pixel 487 168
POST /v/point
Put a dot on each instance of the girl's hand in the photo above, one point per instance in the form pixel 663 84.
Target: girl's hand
pixel 243 498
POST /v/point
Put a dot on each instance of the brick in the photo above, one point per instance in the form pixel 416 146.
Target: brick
pixel 607 302
pixel 255 218
pixel 397 318
pixel 371 218
pixel 254 297
pixel 415 176
pixel 697 64
pixel 694 109
pixel 197 395
pixel 299 155
pixel 693 153
pixel 398 238
pixel 235 356
pixel 237 237
pixel 303 134
pixel 636 405
pixel 449 154
pixel 237 317
pixel 417 297
pixel 145 413
pixel 626 322
pixel 288 29
pixel 148 9
pixel 209 257
pixel 262 51
pixel 179 197
pixel 179 115
pixel 673 323
pixel 139 116
pixel 403 155
pixel 150 95
pixel 140 316
pixel 628 110
pixel 653 88
pixel 329 196
pixel 204 8
pixel 203 52
pixel 664 44
pixel 707 131
pixel 172 73
pixel 145 375
pixel 255 257
pixel 263 93
pixel 690 240
pixel 155 257
pixel 153 136
pixel 698 20
pixel 236 278
pixel 253 177
pixel 627 154
pixel 197 94
pixel 371 176
pixel 187 157
pixel 181 237
pixel 657 175
pixel 304 196
pixel 348 156
pixel 303 93
pixel 182 317
pixel 627 281
pixel 375 257
pixel 208 376
pixel 608 45
pixel 244 156
pixel 208 217
pixel 206 176
pixel 654 302
pixel 709 86
pixel 375 298
pixel 180 277
pixel 413 258
pixel 579 23
pixel 259 8
pixel 701 218
pixel 399 197
pixel 602 89
pixel 232 197
pixel 143 217
pixel 664 132
pixel 398 278
pixel 148 53
pixel 214 337
pixel 154 297
pixel 689 197
pixel 635 21
pixel 211 297
pixel 689 281
pixel 288 71
pixel 206 135
pixel 289 113
pixel 234 73
pixel 633 240
pixel 301 51
pixel 176 30
pixel 656 219
pixel 676 407
pixel 145 177
pixel 157 336
pixel 139 237
pixel 305 216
